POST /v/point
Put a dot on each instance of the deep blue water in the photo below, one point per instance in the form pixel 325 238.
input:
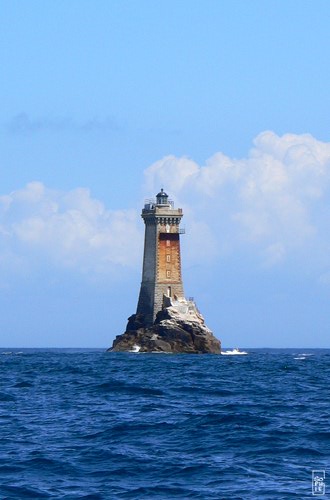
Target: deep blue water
pixel 97 425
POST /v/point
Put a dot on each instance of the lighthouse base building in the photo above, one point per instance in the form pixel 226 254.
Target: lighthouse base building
pixel 165 321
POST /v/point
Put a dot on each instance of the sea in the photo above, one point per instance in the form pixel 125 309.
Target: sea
pixel 89 424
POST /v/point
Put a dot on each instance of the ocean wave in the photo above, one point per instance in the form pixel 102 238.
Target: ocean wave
pixel 96 425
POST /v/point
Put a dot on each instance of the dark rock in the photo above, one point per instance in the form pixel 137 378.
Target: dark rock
pixel 178 328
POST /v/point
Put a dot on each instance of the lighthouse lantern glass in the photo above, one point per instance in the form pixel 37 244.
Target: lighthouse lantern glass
pixel 162 198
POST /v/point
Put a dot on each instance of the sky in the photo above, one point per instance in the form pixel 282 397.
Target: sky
pixel 223 103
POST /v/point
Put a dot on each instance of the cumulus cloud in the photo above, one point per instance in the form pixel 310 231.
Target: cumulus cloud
pixel 269 201
pixel 70 228
pixel 172 171
pixel 273 204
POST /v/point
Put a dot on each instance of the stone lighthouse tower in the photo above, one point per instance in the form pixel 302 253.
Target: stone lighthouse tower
pixel 164 320
pixel 161 274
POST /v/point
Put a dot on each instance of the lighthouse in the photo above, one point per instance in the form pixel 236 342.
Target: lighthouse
pixel 164 320
pixel 161 273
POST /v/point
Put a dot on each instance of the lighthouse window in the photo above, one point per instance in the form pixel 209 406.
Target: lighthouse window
pixel 168 258
pixel 168 243
pixel 168 274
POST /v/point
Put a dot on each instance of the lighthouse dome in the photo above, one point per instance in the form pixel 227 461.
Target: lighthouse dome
pixel 162 198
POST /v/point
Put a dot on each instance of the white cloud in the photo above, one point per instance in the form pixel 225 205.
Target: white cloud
pixel 273 203
pixel 269 201
pixel 72 229
pixel 178 170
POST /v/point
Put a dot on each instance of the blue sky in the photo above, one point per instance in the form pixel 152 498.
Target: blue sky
pixel 225 104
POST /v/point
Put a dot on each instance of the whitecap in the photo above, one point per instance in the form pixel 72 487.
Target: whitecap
pixel 136 348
